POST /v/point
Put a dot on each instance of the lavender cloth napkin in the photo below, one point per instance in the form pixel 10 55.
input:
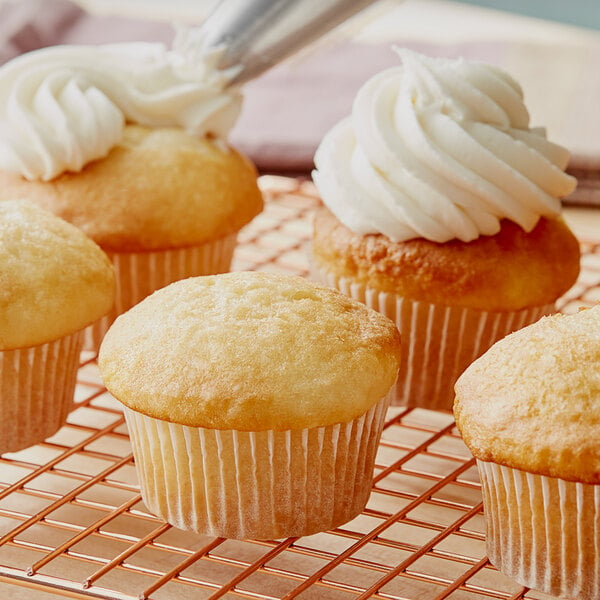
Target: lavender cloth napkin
pixel 288 110
pixel 31 24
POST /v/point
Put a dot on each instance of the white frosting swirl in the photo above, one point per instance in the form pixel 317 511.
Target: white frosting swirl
pixel 440 149
pixel 65 106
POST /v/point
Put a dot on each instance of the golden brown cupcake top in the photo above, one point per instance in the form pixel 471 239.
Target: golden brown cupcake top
pixel 156 189
pixel 53 279
pixel 532 402
pixel 508 271
pixel 250 351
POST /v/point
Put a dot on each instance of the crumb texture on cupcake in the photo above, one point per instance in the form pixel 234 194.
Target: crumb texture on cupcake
pixel 250 351
pixel 156 189
pixel 532 402
pixel 509 271
pixel 54 280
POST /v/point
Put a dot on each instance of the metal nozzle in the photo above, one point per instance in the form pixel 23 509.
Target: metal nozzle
pixel 257 34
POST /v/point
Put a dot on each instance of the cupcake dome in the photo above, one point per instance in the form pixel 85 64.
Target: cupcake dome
pixel 250 351
pixel 157 189
pixel 55 280
pixel 532 401
pixel 509 271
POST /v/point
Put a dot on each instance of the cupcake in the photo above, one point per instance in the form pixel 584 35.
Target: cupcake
pixel 255 402
pixel 127 142
pixel 528 410
pixel 55 282
pixel 442 211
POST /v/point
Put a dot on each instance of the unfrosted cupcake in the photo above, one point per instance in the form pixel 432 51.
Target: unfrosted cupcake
pixel 443 212
pixel 127 142
pixel 529 410
pixel 255 402
pixel 54 282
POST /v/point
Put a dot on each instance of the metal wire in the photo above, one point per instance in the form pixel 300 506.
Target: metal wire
pixel 72 521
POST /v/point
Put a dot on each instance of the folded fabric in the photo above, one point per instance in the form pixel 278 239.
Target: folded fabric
pixel 288 109
pixel 27 25
pixel 33 24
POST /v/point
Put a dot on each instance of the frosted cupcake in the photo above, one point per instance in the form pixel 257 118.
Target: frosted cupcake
pixel 255 402
pixel 54 282
pixel 528 410
pixel 128 142
pixel 442 210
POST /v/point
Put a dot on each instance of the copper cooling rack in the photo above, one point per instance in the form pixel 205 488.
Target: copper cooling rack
pixel 72 523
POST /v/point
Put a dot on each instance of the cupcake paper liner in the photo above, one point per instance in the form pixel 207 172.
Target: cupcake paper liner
pixel 438 342
pixel 542 531
pixel 36 391
pixel 256 485
pixel 138 274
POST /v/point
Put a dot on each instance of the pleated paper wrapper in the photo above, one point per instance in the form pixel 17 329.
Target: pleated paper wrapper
pixel 139 274
pixel 256 485
pixel 543 532
pixel 438 342
pixel 36 391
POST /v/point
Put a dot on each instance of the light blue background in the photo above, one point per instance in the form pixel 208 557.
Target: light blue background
pixel 584 13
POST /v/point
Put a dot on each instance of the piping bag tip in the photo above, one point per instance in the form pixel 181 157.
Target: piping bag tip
pixel 251 36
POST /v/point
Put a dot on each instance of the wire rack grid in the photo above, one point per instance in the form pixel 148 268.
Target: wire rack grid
pixel 72 522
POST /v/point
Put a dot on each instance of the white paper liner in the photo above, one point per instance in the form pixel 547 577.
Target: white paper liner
pixel 256 485
pixel 36 391
pixel 438 342
pixel 138 274
pixel 542 531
